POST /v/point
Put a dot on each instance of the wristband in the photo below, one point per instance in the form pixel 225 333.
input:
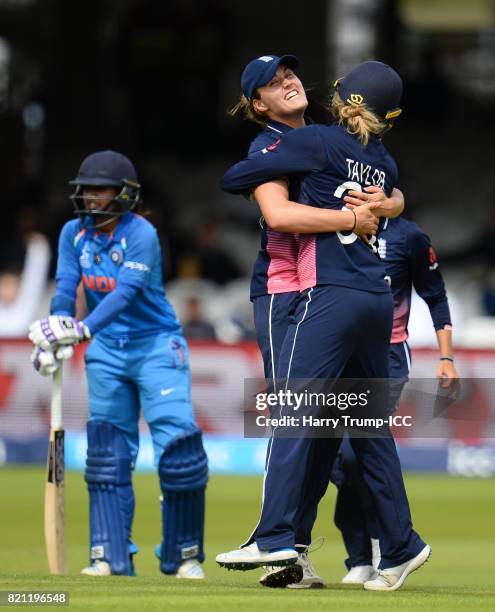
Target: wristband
pixel 355 220
pixel 445 358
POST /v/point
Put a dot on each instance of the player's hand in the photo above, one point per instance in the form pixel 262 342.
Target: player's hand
pixel 47 362
pixel 366 220
pixel 57 329
pixel 447 374
pixel 371 194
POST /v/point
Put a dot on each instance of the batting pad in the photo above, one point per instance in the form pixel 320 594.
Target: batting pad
pixel 183 471
pixel 111 497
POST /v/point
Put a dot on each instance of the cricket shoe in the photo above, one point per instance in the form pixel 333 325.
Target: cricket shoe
pixel 190 569
pixel 310 579
pixel 392 578
pixel 251 557
pixel 279 577
pixel 97 568
pixel 359 574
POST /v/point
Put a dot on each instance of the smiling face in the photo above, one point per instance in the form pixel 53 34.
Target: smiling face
pixel 283 98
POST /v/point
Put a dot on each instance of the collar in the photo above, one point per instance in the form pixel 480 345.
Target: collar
pixel 277 126
pixel 116 236
pixel 283 128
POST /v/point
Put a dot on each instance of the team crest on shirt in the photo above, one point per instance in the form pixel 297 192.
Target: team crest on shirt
pixel 116 256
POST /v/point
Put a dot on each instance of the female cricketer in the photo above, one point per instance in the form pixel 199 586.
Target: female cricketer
pixel 137 359
pixel 410 261
pixel 342 321
pixel 274 97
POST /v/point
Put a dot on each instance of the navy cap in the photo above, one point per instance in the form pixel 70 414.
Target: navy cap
pixel 105 169
pixel 375 84
pixel 262 69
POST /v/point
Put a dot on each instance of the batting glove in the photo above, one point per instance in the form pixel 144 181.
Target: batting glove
pixel 57 329
pixel 47 362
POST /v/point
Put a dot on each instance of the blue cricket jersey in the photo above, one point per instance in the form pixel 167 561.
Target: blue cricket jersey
pixel 122 278
pixel 410 260
pixel 332 161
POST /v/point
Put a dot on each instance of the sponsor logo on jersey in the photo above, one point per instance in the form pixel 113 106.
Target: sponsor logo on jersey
pixel 136 265
pixel 102 284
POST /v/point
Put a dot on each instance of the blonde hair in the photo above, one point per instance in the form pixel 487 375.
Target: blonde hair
pixel 246 108
pixel 357 119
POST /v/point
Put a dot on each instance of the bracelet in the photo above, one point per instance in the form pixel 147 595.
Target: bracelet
pixel 445 358
pixel 355 220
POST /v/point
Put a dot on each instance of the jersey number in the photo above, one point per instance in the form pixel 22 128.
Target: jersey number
pixel 347 237
pixel 350 237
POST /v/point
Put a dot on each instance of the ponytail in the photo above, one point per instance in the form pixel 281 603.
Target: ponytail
pixel 246 108
pixel 357 119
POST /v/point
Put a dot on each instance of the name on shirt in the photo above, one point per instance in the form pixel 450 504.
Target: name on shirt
pixel 365 174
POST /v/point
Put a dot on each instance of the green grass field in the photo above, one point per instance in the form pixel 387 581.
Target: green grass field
pixel 455 516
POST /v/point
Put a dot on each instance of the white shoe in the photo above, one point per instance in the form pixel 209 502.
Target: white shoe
pixel 251 557
pixel 279 577
pixel 97 568
pixel 359 574
pixel 192 570
pixel 392 578
pixel 310 579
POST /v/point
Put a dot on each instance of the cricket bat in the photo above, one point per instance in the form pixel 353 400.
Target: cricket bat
pixel 56 545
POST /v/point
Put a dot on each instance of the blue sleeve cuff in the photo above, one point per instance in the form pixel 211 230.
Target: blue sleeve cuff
pixel 440 313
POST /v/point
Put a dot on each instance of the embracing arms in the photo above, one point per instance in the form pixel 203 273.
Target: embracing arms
pixel 284 215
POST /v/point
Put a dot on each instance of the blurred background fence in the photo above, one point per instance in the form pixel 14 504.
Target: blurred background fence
pixel 460 447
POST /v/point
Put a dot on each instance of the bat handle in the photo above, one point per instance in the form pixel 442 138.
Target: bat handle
pixel 56 405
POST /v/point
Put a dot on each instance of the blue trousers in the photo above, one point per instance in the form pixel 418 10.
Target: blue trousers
pixel 355 515
pixel 149 374
pixel 272 315
pixel 336 331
